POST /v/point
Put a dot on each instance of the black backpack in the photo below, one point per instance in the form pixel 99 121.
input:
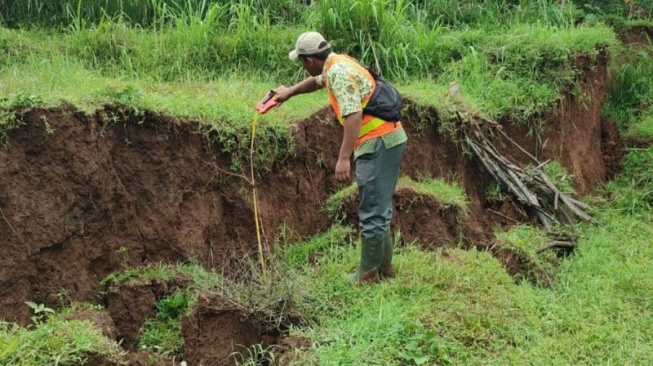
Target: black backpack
pixel 385 102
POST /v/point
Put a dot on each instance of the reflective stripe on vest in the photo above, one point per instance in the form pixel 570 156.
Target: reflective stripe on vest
pixel 369 125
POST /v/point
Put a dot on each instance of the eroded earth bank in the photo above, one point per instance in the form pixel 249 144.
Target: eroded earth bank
pixel 96 196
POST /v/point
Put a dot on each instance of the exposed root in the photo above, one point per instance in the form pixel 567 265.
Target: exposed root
pixel 561 243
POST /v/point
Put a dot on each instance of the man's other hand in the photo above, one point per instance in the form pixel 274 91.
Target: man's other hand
pixel 343 170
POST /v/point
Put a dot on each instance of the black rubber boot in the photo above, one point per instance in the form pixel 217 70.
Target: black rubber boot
pixel 371 257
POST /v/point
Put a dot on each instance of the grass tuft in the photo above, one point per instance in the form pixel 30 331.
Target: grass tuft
pixel 54 340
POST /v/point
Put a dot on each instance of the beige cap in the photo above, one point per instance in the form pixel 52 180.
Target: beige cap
pixel 308 43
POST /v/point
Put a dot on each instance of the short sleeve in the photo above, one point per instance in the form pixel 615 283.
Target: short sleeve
pixel 320 80
pixel 346 89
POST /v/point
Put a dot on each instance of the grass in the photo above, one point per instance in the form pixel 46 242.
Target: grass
pixel 642 128
pixel 448 194
pixel 54 340
pixel 630 91
pixel 461 308
pixel 631 193
pixel 517 69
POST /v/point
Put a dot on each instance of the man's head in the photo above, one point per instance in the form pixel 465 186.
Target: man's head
pixel 312 50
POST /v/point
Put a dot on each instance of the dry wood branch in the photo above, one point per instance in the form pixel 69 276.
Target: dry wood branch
pixel 502 215
pixel 531 188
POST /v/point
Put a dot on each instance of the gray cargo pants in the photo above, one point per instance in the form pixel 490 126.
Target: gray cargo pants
pixel 376 176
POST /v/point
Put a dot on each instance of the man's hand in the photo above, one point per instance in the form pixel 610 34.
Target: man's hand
pixel 343 170
pixel 282 94
pixel 309 85
pixel 352 126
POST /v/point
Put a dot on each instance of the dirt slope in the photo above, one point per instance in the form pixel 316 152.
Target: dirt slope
pixel 95 196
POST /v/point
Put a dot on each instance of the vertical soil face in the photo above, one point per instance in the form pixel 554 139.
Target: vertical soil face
pixel 96 197
pixel 130 305
pixel 215 331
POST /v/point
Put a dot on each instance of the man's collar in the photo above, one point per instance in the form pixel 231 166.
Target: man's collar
pixel 328 61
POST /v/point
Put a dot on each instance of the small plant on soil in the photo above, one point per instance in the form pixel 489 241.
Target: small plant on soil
pixel 255 355
pixel 40 312
pixel 163 332
pixel 8 106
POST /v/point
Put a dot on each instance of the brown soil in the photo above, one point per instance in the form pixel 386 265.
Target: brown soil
pixel 612 148
pixel 129 306
pixel 215 331
pixel 96 197
pixel 637 36
pixel 427 221
pixel 100 319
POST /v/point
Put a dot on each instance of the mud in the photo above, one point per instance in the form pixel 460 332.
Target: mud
pixel 97 196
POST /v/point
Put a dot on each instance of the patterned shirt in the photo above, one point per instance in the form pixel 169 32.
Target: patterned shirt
pixel 349 86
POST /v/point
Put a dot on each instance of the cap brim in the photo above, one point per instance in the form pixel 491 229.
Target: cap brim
pixel 293 55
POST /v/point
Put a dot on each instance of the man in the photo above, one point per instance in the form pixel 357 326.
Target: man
pixel 378 145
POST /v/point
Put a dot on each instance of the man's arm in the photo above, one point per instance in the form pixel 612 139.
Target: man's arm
pixel 352 126
pixel 308 85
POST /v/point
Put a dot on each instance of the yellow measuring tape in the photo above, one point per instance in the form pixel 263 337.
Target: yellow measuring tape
pixel 256 215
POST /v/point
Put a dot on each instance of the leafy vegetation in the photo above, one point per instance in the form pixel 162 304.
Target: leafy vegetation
pixel 8 107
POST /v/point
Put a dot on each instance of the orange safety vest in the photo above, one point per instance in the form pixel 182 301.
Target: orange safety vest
pixel 371 127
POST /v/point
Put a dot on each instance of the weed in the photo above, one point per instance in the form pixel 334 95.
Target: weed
pixel 419 346
pixel 123 251
pixel 8 106
pixel 40 312
pixel 560 177
pixel 255 355
pixel 173 306
pixel 493 190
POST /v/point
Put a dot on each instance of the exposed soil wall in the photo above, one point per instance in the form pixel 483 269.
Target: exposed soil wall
pixel 96 196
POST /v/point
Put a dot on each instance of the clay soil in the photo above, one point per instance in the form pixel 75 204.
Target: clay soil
pixel 95 197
